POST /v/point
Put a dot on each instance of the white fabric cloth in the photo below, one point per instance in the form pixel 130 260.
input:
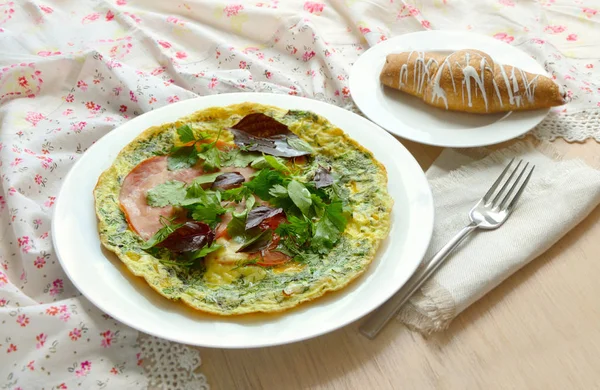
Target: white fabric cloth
pixel 559 195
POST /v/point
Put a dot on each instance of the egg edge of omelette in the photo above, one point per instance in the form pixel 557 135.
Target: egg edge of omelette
pixel 263 289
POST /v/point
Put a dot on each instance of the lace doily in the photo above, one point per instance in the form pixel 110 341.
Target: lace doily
pixel 171 366
pixel 576 127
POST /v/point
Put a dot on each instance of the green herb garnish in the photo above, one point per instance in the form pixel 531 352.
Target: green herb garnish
pixel 187 156
pixel 330 227
pixel 169 193
pixel 238 158
pixel 300 196
pixel 204 205
pixel 162 233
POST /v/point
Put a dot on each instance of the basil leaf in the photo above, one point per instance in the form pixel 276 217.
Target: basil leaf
pixel 336 214
pixel 208 178
pixel 228 180
pixel 250 201
pixel 261 125
pixel 276 145
pixel 260 163
pixel 278 191
pixel 167 193
pixel 258 215
pixel 300 196
pixel 242 215
pixel 257 243
pixel 186 134
pixel 162 233
pixel 323 177
pixel 182 157
pixel 300 145
pixel 330 227
pixel 189 237
pixel 237 226
pixel 326 234
pixel 277 164
pixel 262 133
pixel 205 251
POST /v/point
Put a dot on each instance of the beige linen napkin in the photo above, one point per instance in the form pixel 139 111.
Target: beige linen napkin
pixel 561 194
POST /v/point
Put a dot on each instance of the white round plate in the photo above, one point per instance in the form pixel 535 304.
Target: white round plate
pixel 409 117
pixel 101 277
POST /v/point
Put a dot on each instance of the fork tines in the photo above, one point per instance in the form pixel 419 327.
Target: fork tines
pixel 502 200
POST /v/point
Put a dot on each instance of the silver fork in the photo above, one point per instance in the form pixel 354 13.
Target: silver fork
pixel 489 213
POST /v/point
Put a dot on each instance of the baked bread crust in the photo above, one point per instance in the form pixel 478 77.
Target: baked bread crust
pixel 469 81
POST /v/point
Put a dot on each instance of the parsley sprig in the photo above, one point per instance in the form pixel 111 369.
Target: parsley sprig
pixel 317 215
pixel 187 156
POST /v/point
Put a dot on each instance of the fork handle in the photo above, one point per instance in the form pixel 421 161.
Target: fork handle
pixel 373 325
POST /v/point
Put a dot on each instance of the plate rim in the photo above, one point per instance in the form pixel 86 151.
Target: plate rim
pixel 426 220
pixel 364 57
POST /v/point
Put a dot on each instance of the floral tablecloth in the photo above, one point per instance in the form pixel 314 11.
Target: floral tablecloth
pixel 73 70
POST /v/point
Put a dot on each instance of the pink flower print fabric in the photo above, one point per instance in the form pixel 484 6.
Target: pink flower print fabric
pixel 72 72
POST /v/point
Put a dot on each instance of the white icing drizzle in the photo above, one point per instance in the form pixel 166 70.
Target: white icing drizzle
pixel 529 86
pixel 469 73
pixel 497 91
pixel 422 75
pixel 404 70
pixel 515 87
pixel 438 92
pixel 511 98
pixel 421 71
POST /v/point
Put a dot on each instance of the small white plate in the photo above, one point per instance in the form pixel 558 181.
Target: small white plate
pixel 409 117
pixel 101 277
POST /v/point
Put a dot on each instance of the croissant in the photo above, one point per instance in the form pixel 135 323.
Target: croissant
pixel 469 81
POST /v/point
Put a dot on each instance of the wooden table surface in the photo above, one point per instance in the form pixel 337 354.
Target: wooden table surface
pixel 540 329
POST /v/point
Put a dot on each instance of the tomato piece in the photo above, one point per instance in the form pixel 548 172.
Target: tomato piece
pixel 271 258
pixel 273 222
pixel 222 231
pixel 300 160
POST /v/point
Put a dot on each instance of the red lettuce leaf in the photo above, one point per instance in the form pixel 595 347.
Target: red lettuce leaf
pixel 228 180
pixel 257 243
pixel 261 126
pixel 260 133
pixel 190 237
pixel 323 177
pixel 257 215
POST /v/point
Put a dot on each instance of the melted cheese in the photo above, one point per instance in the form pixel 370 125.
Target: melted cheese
pixel 219 274
pixel 228 253
pixel 225 265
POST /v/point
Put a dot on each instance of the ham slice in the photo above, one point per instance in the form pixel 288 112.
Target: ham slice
pixel 143 219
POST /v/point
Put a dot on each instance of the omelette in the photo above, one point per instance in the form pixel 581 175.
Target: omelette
pixel 245 208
